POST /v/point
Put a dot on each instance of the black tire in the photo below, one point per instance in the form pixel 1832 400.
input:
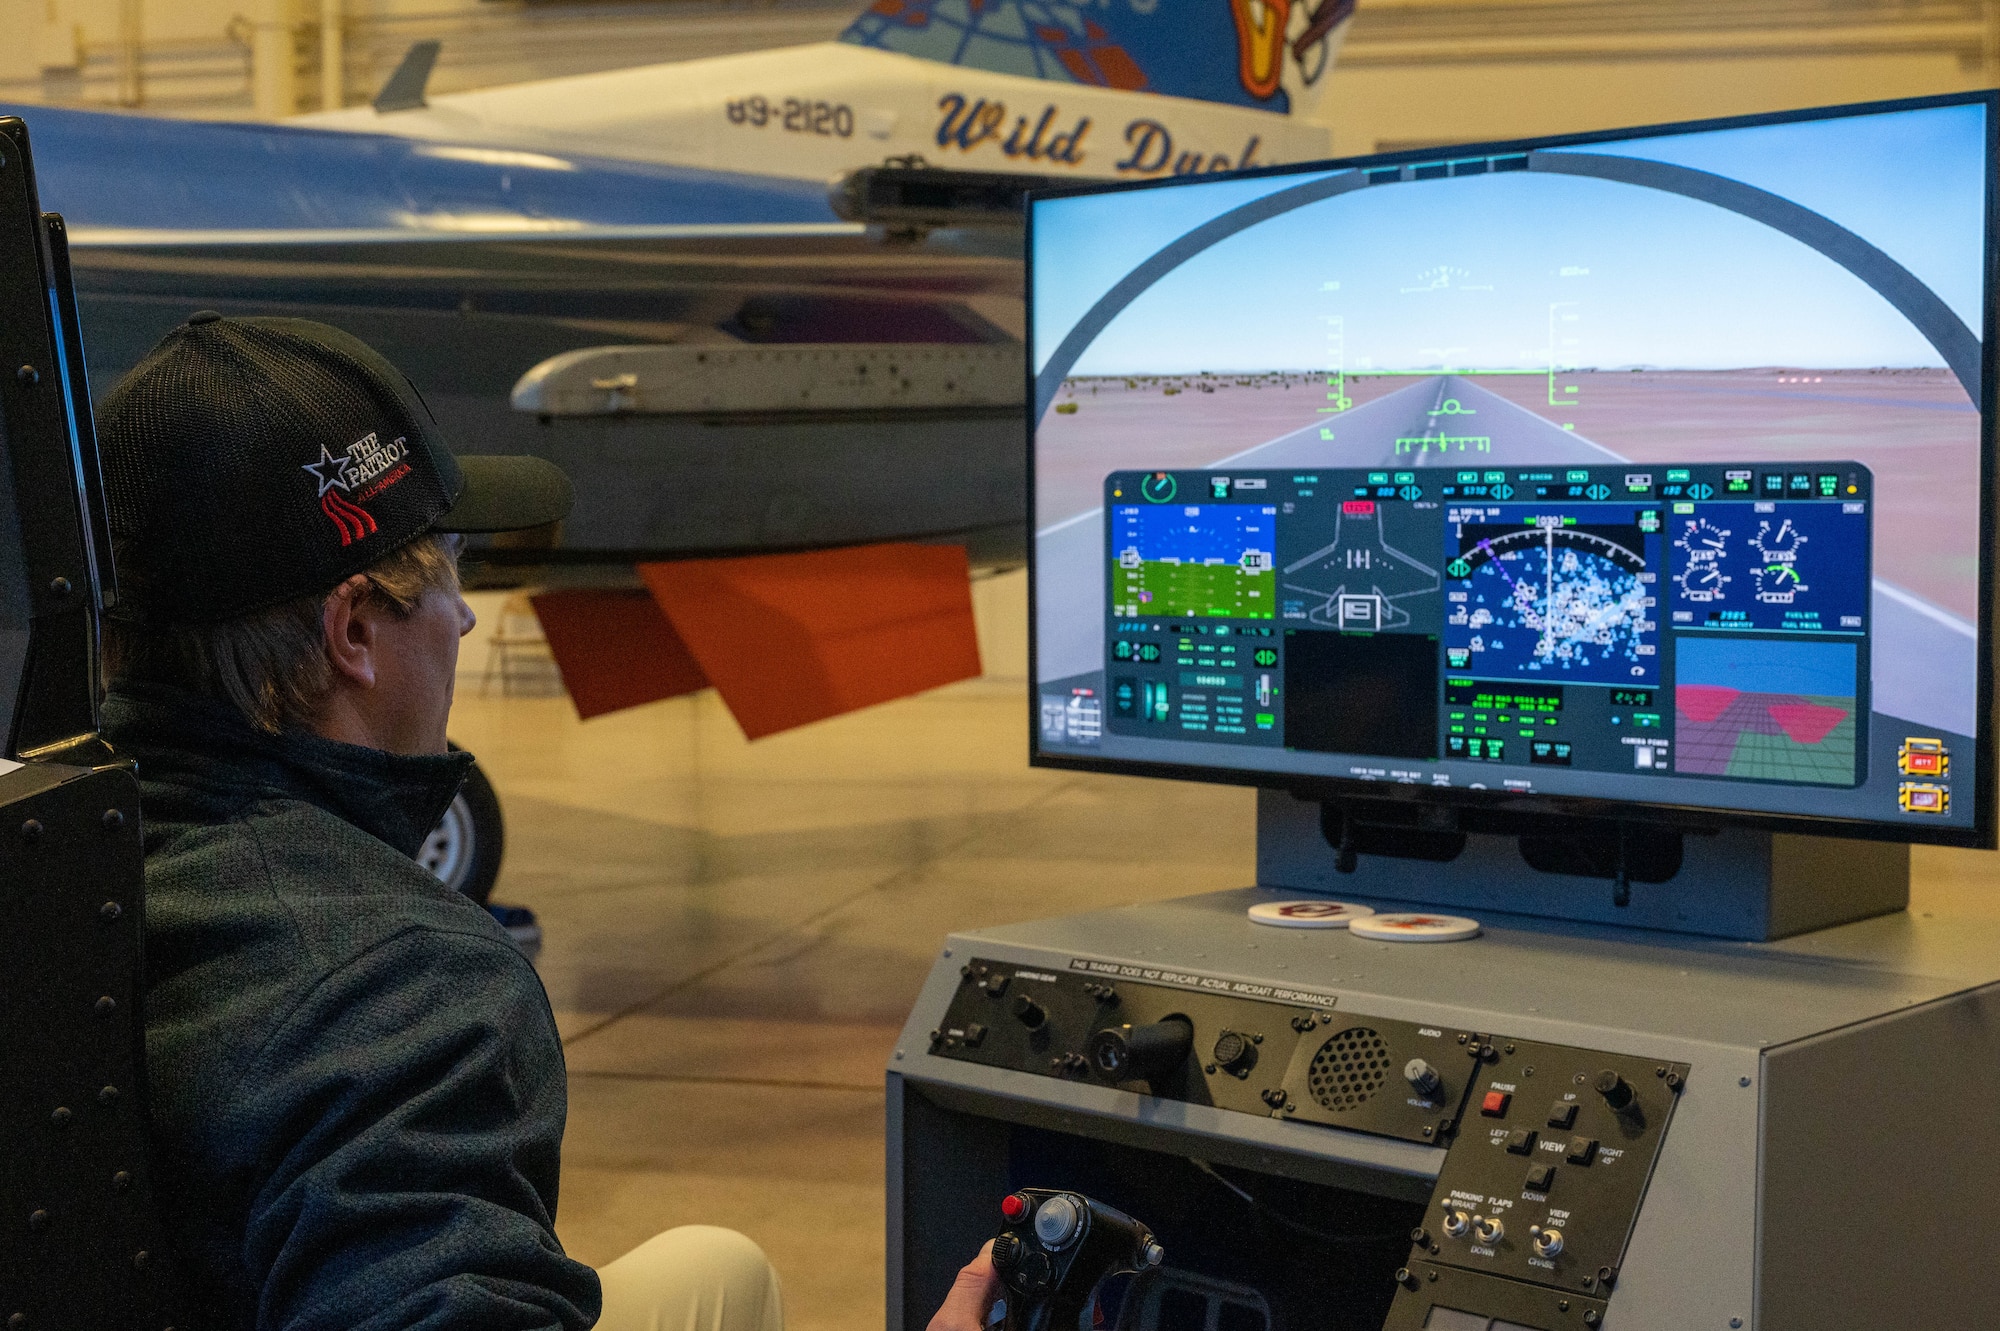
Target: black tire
pixel 465 848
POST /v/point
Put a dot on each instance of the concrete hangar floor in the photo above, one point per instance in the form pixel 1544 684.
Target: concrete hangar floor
pixel 734 932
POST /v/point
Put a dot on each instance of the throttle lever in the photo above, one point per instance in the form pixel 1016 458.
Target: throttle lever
pixel 1057 1248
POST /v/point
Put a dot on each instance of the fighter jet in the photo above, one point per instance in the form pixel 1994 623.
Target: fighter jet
pixel 639 274
pixel 1023 85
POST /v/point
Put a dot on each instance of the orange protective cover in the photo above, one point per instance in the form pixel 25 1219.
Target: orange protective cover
pixel 791 639
pixel 615 649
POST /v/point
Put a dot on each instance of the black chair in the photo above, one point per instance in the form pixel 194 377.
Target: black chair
pixel 81 1246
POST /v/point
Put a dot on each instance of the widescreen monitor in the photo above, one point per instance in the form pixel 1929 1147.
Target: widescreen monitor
pixel 1646 473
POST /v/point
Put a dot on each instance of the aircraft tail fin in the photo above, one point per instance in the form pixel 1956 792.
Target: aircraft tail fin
pixel 405 89
pixel 1272 55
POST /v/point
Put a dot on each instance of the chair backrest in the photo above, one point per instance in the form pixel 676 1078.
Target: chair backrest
pixel 80 1239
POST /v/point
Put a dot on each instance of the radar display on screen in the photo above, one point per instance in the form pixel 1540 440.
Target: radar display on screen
pixel 1646 468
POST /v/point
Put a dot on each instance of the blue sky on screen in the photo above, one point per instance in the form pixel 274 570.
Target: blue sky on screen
pixel 1912 183
pixel 1084 244
pixel 1482 272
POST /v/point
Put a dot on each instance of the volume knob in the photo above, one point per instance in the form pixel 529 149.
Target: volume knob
pixel 1422 1077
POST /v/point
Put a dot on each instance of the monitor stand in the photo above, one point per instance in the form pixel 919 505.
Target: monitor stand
pixel 1728 883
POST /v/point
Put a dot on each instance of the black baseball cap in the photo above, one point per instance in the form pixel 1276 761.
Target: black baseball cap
pixel 251 461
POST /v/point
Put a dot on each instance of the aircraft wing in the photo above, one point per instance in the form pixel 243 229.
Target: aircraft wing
pixel 848 284
pixel 469 268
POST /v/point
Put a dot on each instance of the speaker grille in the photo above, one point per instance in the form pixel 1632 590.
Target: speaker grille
pixel 1349 1069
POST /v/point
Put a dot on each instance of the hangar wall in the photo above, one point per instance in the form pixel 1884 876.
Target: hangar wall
pixel 1374 109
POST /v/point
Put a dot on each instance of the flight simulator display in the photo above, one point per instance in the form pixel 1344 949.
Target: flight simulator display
pixel 1647 468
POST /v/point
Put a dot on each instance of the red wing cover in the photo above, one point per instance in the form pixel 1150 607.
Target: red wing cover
pixel 796 638
pixel 615 649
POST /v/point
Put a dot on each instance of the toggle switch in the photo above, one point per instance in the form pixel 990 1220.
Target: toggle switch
pixel 1547 1242
pixel 1488 1229
pixel 1457 1224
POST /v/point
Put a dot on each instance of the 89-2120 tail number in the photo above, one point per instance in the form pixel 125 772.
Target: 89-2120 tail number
pixel 831 119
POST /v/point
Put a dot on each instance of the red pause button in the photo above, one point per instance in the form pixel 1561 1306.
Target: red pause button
pixel 1014 1206
pixel 1495 1104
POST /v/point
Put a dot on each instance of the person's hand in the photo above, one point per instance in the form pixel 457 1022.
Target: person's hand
pixel 970 1301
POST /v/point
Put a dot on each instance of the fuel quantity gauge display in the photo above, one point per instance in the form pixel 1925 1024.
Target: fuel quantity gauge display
pixel 1700 548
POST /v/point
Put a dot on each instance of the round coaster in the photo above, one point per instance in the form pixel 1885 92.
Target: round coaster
pixel 1416 928
pixel 1307 914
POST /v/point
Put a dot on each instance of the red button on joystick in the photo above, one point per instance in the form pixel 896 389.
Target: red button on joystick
pixel 1014 1206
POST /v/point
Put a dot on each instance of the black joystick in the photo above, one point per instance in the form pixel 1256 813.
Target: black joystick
pixel 1617 1092
pixel 1057 1248
pixel 1142 1053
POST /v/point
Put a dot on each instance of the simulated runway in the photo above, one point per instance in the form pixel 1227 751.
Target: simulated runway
pixel 1446 421
pixel 1925 660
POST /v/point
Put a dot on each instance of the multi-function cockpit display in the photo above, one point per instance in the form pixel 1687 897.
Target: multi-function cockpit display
pixel 1703 620
pixel 1646 468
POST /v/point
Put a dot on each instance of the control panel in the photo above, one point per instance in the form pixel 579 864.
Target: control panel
pixel 1546 1173
pixel 1267 1056
pixel 1549 1148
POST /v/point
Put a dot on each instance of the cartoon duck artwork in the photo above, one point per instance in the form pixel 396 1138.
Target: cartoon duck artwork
pixel 1260 43
pixel 1231 51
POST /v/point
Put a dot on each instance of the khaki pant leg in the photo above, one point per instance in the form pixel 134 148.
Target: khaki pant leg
pixel 694 1278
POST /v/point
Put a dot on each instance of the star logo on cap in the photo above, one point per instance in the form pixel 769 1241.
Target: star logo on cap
pixel 329 471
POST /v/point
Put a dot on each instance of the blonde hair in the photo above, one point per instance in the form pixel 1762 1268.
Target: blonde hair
pixel 271 664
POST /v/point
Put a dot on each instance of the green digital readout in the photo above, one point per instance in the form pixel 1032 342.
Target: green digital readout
pixel 1525 699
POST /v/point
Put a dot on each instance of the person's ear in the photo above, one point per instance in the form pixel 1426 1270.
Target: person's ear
pixel 352 632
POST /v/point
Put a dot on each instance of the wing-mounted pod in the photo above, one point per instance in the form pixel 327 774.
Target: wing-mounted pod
pixel 910 195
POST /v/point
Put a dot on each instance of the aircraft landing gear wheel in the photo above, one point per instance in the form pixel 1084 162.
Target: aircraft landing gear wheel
pixel 464 849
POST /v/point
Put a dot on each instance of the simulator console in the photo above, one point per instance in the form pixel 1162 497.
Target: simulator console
pixel 1595 535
